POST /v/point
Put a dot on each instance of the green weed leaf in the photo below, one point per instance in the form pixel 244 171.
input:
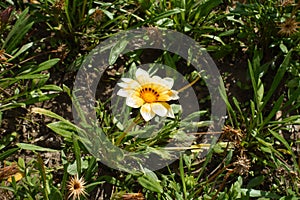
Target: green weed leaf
pixel 116 51
pixel 151 183
pixel 32 147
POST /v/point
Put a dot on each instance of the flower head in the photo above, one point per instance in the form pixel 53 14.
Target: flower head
pixel 149 93
pixel 288 27
pixel 76 187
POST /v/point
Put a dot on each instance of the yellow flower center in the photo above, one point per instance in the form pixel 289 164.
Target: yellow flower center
pixel 149 95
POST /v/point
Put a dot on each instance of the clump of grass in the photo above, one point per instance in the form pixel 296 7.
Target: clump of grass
pixel 43 43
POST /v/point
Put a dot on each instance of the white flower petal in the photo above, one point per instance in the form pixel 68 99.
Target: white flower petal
pixel 174 95
pixel 157 79
pixel 124 93
pixel 169 82
pixel 140 72
pixel 127 80
pixel 147 112
pixel 134 101
pixel 168 95
pixel 123 85
pixel 129 84
pixel 166 82
pixel 142 76
pixel 159 109
pixel 170 113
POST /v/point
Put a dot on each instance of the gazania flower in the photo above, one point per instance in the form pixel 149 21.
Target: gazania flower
pixel 288 27
pixel 76 187
pixel 149 93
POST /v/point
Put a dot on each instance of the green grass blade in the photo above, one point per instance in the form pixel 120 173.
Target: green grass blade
pixel 284 142
pixel 150 182
pixel 231 112
pixel 17 26
pixel 7 153
pixel 253 81
pixel 205 8
pixel 76 149
pixel 21 50
pixel 41 167
pixel 182 176
pixel 32 147
pixel 46 65
pixel 274 110
pixel 17 39
pixel 277 79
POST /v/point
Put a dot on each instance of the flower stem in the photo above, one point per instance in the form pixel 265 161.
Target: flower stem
pixel 131 125
pixel 189 85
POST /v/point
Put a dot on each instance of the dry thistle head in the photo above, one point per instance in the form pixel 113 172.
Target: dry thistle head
pixel 98 15
pixel 288 27
pixel 2 55
pixel 76 188
pixel 59 4
pixel 287 2
pixel 233 135
pixel 242 165
pixel 5 15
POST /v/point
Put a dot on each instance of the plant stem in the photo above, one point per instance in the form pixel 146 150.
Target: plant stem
pixel 189 85
pixel 132 124
pixel 83 9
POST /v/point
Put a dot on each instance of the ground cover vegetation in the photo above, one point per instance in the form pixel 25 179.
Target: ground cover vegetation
pixel 254 43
